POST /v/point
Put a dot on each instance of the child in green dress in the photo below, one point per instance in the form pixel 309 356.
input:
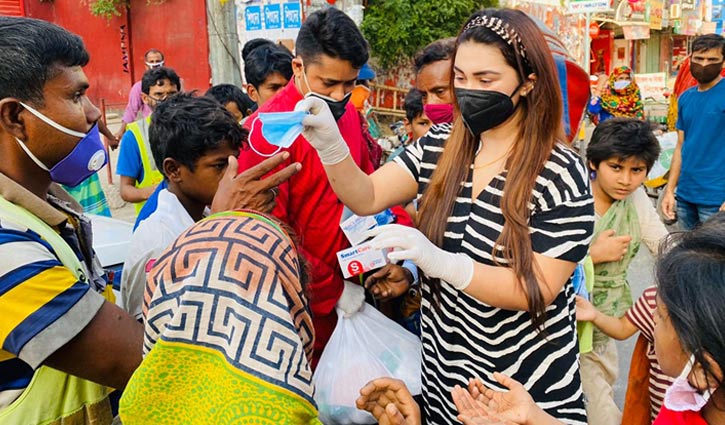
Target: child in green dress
pixel 619 156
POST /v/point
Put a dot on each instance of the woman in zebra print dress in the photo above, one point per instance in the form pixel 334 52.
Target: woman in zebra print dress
pixel 505 214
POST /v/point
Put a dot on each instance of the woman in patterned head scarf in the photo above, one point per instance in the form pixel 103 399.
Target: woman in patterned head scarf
pixel 620 97
pixel 228 332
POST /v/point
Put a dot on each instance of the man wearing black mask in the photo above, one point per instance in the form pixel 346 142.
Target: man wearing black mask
pixel 699 159
pixel 330 52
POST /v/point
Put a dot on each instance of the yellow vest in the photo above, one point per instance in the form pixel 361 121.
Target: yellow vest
pixel 55 397
pixel 151 175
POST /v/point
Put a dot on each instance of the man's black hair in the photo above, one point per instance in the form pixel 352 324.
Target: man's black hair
pixel 436 51
pixel 623 138
pixel 253 44
pixel 185 127
pixel 146 55
pixel 155 76
pixel 31 51
pixel 413 105
pixel 331 32
pixel 266 60
pixel 707 42
pixel 225 93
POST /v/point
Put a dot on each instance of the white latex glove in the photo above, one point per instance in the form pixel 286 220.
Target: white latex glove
pixel 321 131
pixel 411 244
pixel 352 298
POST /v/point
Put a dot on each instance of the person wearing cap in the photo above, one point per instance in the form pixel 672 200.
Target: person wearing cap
pixel 153 58
pixel 361 92
pixel 368 124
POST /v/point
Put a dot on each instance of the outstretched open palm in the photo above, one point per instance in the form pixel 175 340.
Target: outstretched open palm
pixel 480 405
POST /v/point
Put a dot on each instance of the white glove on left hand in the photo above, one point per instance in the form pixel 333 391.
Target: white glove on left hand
pixel 411 244
pixel 321 131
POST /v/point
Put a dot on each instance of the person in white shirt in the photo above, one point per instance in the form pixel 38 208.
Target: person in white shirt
pixel 195 142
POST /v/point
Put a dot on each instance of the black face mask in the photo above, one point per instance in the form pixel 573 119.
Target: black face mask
pixel 337 107
pixel 705 73
pixel 483 110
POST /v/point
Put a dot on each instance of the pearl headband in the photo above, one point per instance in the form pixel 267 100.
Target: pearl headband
pixel 501 28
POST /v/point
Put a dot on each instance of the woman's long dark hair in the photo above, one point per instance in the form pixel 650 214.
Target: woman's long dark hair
pixel 540 129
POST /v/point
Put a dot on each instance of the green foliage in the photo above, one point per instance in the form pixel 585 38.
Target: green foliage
pixel 107 8
pixel 396 29
pixel 110 8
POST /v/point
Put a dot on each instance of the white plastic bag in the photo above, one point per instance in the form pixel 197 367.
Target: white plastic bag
pixel 364 346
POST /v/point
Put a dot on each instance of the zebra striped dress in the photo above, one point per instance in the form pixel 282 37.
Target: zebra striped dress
pixel 467 338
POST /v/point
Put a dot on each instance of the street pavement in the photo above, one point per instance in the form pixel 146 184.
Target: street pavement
pixel 640 275
pixel 120 209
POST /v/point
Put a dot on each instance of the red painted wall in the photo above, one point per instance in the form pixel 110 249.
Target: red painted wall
pixel 602 50
pixel 116 46
pixel 103 41
pixel 177 28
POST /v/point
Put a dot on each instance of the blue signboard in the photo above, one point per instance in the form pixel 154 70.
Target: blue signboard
pixel 253 18
pixel 272 16
pixel 292 15
pixel 718 14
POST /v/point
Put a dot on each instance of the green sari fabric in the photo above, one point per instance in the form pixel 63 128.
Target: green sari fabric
pixel 612 294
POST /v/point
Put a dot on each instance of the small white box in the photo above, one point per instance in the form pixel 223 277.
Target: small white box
pixel 356 227
pixel 360 259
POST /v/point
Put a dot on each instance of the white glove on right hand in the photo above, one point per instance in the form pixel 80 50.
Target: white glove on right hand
pixel 322 132
pixel 352 298
pixel 410 244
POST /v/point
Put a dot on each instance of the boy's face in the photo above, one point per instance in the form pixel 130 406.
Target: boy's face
pixel 201 184
pixel 617 178
pixel 271 85
pixel 419 127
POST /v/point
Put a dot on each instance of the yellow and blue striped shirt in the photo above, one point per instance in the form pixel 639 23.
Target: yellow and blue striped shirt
pixel 42 304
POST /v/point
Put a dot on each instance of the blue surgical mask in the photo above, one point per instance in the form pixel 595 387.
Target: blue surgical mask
pixel 280 129
pixel 88 156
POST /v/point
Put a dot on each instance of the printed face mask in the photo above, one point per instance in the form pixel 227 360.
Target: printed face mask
pixel 84 160
pixel 280 129
pixel 705 73
pixel 483 110
pixel 337 107
pixel 439 114
pixel 154 65
pixel 681 396
pixel 621 84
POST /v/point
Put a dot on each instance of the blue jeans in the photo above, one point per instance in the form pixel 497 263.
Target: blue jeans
pixel 691 215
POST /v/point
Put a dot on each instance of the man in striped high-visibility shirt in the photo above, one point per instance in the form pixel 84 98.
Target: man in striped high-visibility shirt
pixel 62 343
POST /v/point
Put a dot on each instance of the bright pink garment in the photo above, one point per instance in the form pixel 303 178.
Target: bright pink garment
pixel 135 104
pixel 668 417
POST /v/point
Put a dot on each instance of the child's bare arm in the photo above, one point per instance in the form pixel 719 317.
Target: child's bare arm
pixel 616 327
